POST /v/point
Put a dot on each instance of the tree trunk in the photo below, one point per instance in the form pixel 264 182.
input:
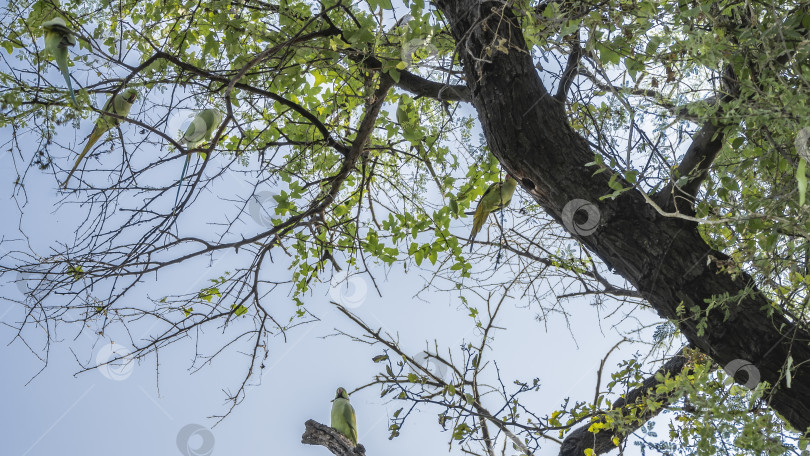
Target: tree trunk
pixel 665 258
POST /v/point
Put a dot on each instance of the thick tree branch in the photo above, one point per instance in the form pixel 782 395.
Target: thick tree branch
pixel 570 69
pixel 425 88
pixel 409 81
pixel 709 139
pixel 420 86
pixel 666 259
pixel 601 442
pixel 323 435
pixel 700 155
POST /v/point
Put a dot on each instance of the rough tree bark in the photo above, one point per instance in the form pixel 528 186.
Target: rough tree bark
pixel 664 257
pixel 321 434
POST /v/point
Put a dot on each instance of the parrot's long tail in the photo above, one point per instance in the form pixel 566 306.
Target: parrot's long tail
pixel 63 66
pixel 92 140
pixel 478 222
pixel 182 176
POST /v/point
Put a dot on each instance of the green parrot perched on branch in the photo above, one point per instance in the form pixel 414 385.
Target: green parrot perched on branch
pixel 495 198
pixel 119 105
pixel 200 130
pixel 343 417
pixel 58 37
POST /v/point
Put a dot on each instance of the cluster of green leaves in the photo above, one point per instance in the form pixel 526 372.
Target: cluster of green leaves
pixel 713 415
pixel 317 80
pixel 676 53
pixel 717 410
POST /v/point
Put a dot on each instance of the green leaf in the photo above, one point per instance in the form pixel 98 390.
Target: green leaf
pixel 340 210
pixel 453 204
pixel 75 272
pixel 207 294
pixel 238 310
pixel 359 37
pixel 402 112
pixel 608 55
pixel 569 27
pixel 460 431
pixel 384 4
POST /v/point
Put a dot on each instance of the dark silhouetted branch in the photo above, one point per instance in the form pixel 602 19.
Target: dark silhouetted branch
pixel 323 435
pixel 602 441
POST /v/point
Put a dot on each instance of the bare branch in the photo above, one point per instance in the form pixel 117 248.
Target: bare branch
pixel 320 434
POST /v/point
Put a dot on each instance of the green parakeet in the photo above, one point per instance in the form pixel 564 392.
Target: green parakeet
pixel 58 37
pixel 495 198
pixel 200 130
pixel 343 418
pixel 119 105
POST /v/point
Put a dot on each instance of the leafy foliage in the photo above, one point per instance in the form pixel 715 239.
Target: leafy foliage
pixel 301 80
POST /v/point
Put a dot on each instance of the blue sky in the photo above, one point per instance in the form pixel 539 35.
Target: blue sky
pixel 59 413
pixel 125 413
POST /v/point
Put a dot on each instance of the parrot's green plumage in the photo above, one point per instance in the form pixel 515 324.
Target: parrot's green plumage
pixel 119 105
pixel 343 418
pixel 200 130
pixel 58 37
pixel 495 198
